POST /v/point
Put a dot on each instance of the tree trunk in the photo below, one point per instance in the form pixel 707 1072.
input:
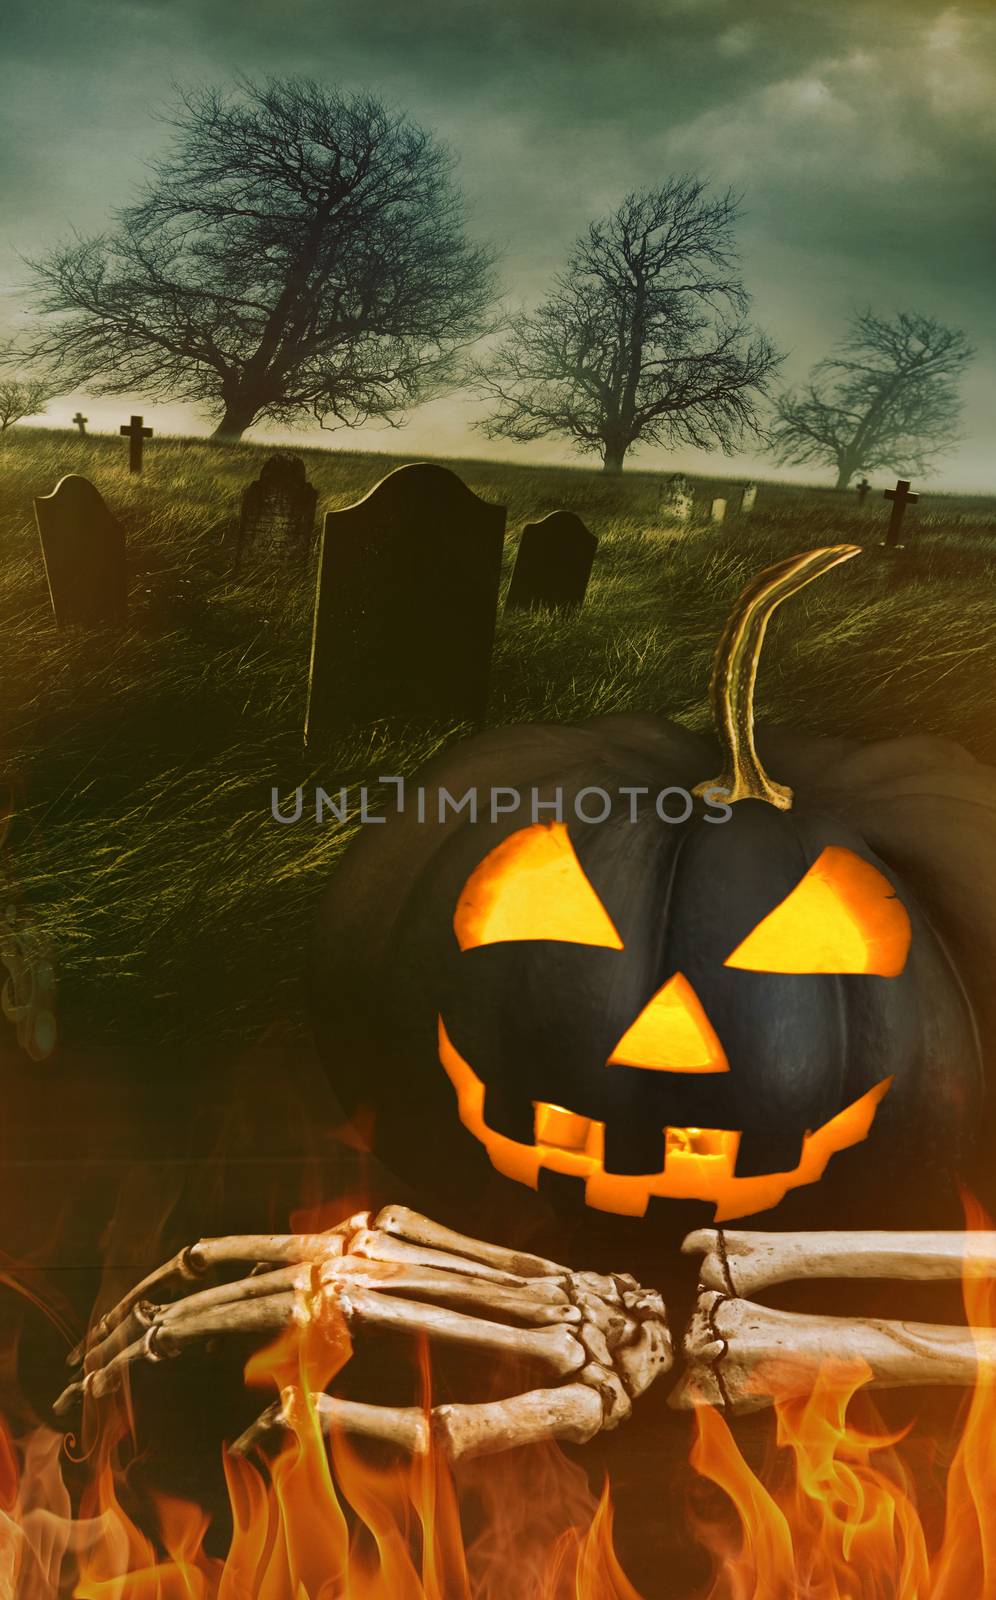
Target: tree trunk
pixel 612 458
pixel 239 415
pixel 847 466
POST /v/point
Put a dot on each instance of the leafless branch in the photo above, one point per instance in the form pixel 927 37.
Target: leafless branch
pixel 297 252
pixel 22 397
pixel 644 336
pixel 887 397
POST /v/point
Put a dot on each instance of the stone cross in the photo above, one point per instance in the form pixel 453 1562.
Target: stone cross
pixel 748 496
pixel 406 605
pixel 901 498
pixel 83 548
pixel 676 499
pixel 717 511
pixel 278 510
pixel 81 421
pixel 553 563
pixel 135 433
pixel 861 490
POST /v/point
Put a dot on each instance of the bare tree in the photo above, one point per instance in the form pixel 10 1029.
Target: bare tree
pixel 887 397
pixel 22 397
pixel 644 337
pixel 295 252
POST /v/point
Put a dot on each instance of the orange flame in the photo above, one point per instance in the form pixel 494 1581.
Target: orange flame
pixel 321 1522
pixel 836 1516
pixel 843 1521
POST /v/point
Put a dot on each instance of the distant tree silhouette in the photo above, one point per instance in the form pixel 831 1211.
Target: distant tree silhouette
pixel 296 253
pixel 644 336
pixel 887 397
pixel 20 398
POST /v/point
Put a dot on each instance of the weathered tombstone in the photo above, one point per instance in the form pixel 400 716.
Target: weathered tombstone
pixel 136 436
pixel 406 604
pixel 676 499
pixel 748 495
pixel 83 548
pixel 553 563
pixel 717 511
pixel 861 490
pixel 901 498
pixel 81 422
pixel 278 509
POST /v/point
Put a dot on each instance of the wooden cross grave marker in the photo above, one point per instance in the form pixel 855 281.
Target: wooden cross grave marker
pixel 81 421
pixel 901 498
pixel 135 434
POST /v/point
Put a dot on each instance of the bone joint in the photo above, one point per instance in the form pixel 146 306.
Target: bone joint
pixel 602 1339
pixel 741 1357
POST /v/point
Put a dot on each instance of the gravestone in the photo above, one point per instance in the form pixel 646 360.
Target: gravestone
pixel 861 490
pixel 901 498
pixel 136 436
pixel 278 509
pixel 83 548
pixel 553 563
pixel 748 495
pixel 81 422
pixel 717 511
pixel 676 500
pixel 406 604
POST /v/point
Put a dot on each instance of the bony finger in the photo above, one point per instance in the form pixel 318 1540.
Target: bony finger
pixel 174 1329
pixel 197 1261
pixel 144 1314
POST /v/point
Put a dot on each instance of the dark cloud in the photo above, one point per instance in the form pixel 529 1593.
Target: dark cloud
pixel 862 134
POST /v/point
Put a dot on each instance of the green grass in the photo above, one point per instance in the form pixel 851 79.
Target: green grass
pixel 145 756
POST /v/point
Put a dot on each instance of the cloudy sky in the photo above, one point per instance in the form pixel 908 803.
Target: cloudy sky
pixel 862 133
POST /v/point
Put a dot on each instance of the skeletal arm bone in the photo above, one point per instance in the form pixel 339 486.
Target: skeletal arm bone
pixel 742 1263
pixel 572 1413
pixel 742 1357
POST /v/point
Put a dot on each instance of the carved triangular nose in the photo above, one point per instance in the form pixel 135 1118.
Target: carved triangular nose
pixel 672 1034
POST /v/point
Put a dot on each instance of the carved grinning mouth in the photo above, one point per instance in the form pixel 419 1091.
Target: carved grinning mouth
pixel 697 1160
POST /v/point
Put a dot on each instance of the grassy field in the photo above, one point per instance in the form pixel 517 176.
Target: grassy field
pixel 145 756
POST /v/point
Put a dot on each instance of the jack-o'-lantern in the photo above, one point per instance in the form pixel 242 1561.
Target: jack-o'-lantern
pixel 650 1011
pixel 667 1110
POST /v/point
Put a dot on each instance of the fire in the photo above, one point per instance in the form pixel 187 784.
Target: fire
pixel 840 1512
pixel 318 1521
pixel 842 1521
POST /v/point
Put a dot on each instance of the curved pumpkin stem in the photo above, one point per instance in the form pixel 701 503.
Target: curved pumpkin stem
pixel 731 691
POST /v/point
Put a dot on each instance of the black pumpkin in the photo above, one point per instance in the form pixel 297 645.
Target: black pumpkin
pixel 684 1014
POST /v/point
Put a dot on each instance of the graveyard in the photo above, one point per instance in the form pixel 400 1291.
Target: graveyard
pixel 142 749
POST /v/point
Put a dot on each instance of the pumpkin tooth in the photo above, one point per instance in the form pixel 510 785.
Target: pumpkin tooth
pixel 774 1149
pixel 633 1151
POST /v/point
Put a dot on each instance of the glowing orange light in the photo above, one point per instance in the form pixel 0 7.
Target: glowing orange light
pixel 839 1517
pixel 843 916
pixel 672 1034
pixel 699 1163
pixel 532 886
pixel 835 1514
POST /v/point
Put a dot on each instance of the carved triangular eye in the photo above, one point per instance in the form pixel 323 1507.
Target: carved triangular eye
pixel 532 886
pixel 672 1034
pixel 843 916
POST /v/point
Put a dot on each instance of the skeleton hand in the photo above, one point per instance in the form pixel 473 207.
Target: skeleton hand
pixel 604 1338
